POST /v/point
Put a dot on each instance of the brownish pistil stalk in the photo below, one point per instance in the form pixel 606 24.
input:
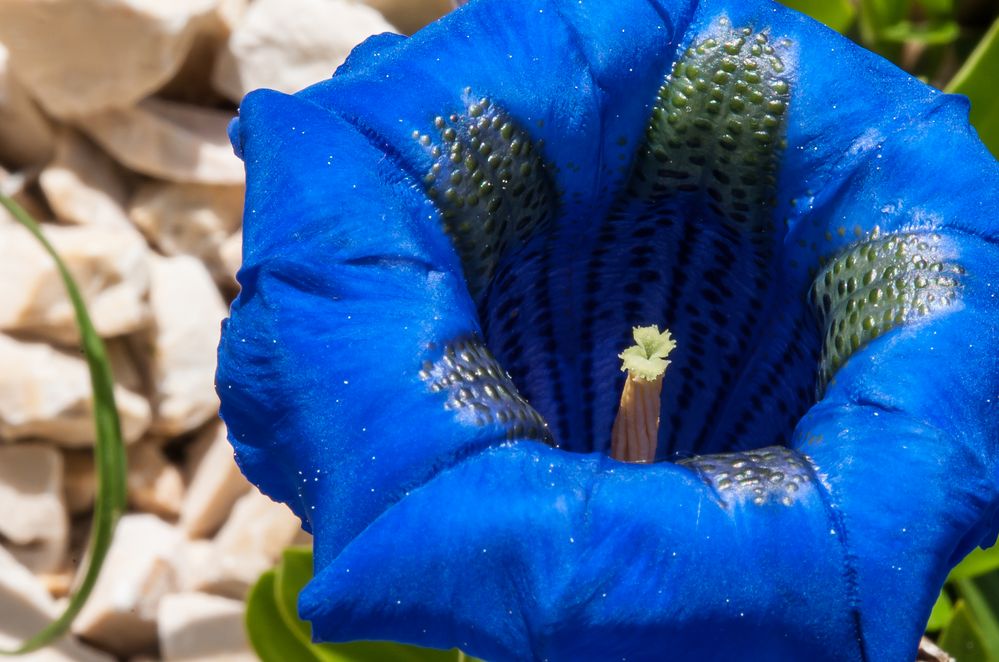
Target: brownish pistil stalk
pixel 636 428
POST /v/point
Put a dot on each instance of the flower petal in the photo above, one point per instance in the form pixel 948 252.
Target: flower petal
pixel 525 552
pixel 593 69
pixel 905 437
pixel 350 297
pixel 835 551
pixel 344 418
pixel 595 56
pixel 340 245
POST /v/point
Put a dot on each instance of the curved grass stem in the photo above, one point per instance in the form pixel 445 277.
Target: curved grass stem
pixel 109 450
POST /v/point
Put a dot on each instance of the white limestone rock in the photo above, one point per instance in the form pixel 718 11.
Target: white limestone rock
pixel 249 544
pixel 258 526
pixel 17 186
pixel 45 393
pixel 121 614
pixel 79 480
pixel 289 44
pixel 25 133
pixel 215 483
pixel 192 83
pixel 9 184
pixel 154 484
pixel 189 219
pixel 202 627
pixel 110 267
pixel 231 11
pixel 188 311
pixel 26 608
pixel 128 364
pixel 168 140
pixel 78 58
pixel 252 539
pixel 34 521
pixel 231 255
pixel 411 15
pixel 83 186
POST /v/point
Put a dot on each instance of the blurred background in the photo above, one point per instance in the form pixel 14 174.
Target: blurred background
pixel 112 134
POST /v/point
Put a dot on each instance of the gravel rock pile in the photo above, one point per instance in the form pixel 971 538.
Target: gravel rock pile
pixel 112 132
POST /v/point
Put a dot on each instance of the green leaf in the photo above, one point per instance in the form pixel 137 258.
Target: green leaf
pixel 270 637
pixel 837 14
pixel 942 612
pixel 938 8
pixel 929 34
pixel 277 634
pixel 977 80
pixel 978 562
pixel 109 450
pixel 293 573
pixel 988 584
pixel 982 614
pixel 963 638
pixel 876 16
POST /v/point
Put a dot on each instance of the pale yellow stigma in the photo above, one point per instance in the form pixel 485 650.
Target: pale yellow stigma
pixel 636 428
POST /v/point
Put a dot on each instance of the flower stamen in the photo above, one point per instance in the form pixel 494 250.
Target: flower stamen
pixel 635 433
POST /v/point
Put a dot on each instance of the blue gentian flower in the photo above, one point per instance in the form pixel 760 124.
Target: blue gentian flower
pixel 447 246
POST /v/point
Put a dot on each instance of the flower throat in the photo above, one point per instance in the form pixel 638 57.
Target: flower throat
pixel 689 245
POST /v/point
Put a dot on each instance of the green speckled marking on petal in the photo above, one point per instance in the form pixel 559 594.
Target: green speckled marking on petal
pixel 481 391
pixel 490 183
pixel 768 475
pixel 718 125
pixel 872 287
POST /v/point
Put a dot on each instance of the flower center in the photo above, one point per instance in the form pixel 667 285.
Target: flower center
pixel 690 244
pixel 635 434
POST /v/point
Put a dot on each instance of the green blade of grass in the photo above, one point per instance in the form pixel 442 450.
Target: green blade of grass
pixel 109 451
pixel 982 614
pixel 962 637
pixel 977 80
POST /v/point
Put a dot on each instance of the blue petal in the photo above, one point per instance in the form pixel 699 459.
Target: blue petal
pixel 328 197
pixel 336 382
pixel 347 285
pixel 529 553
pixel 588 65
pixel 905 438
pixel 596 55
